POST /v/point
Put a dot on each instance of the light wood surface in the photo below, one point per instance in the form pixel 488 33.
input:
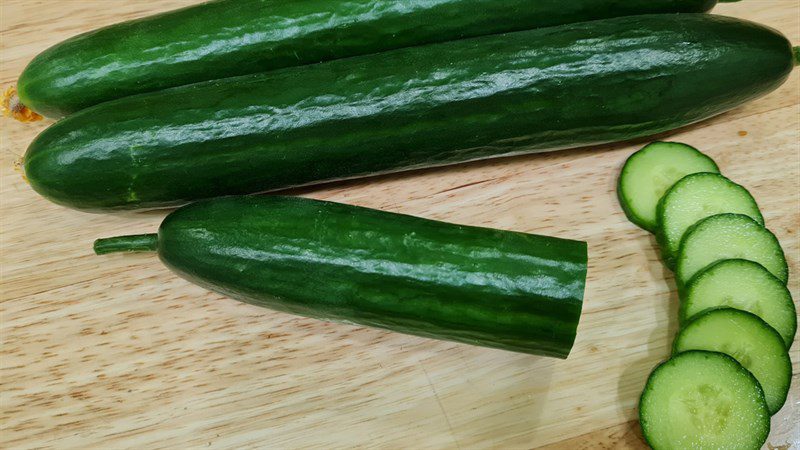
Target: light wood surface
pixel 116 352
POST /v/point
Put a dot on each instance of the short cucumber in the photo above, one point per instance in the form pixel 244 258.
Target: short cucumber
pixel 729 236
pixel 502 289
pixel 226 38
pixel 530 91
pixel 693 198
pixel 703 400
pixel 745 285
pixel 650 171
pixel 750 341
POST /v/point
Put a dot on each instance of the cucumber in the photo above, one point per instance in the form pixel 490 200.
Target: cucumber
pixel 236 37
pixel 745 285
pixel 693 198
pixel 750 341
pixel 502 289
pixel 703 400
pixel 648 173
pixel 529 91
pixel 729 236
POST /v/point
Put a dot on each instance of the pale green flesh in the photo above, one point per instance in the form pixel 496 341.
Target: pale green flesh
pixel 729 236
pixel 703 400
pixel 652 170
pixel 742 285
pixel 750 341
pixel 696 197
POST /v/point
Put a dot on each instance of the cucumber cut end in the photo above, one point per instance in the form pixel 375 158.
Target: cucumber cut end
pixel 693 198
pixel 728 236
pixel 649 172
pixel 750 341
pixel 744 285
pixel 703 400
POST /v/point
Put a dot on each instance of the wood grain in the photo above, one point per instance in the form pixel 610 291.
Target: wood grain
pixel 116 352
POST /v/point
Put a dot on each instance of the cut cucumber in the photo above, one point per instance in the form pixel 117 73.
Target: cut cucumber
pixel 335 262
pixel 649 172
pixel 744 285
pixel 703 400
pixel 693 198
pixel 728 236
pixel 750 341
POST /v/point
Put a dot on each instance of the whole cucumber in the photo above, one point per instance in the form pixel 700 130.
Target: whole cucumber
pixel 494 288
pixel 227 38
pixel 529 91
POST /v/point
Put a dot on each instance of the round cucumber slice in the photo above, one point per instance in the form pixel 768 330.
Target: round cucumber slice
pixel 750 341
pixel 745 285
pixel 728 236
pixel 649 172
pixel 693 198
pixel 703 400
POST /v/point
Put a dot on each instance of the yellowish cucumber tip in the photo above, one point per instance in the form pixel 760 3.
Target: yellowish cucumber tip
pixel 13 107
pixel 18 163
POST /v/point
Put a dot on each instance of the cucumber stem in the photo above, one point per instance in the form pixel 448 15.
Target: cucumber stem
pixel 796 51
pixel 131 243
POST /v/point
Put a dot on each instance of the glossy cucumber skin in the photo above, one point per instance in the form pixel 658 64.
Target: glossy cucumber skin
pixel 530 91
pixel 228 38
pixel 503 289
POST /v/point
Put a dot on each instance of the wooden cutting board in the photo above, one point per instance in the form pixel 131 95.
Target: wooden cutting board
pixel 116 352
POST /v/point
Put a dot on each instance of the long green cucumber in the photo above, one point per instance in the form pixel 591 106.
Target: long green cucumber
pixel 529 91
pixel 227 38
pixel 494 288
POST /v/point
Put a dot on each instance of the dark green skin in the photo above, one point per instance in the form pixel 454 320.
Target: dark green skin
pixel 227 38
pixel 330 261
pixel 530 91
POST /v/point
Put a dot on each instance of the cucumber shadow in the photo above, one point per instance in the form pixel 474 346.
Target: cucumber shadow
pixel 512 389
pixel 658 347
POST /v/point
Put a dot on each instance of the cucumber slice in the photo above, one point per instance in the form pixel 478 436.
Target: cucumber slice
pixel 728 236
pixel 649 172
pixel 703 400
pixel 750 341
pixel 744 285
pixel 693 198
